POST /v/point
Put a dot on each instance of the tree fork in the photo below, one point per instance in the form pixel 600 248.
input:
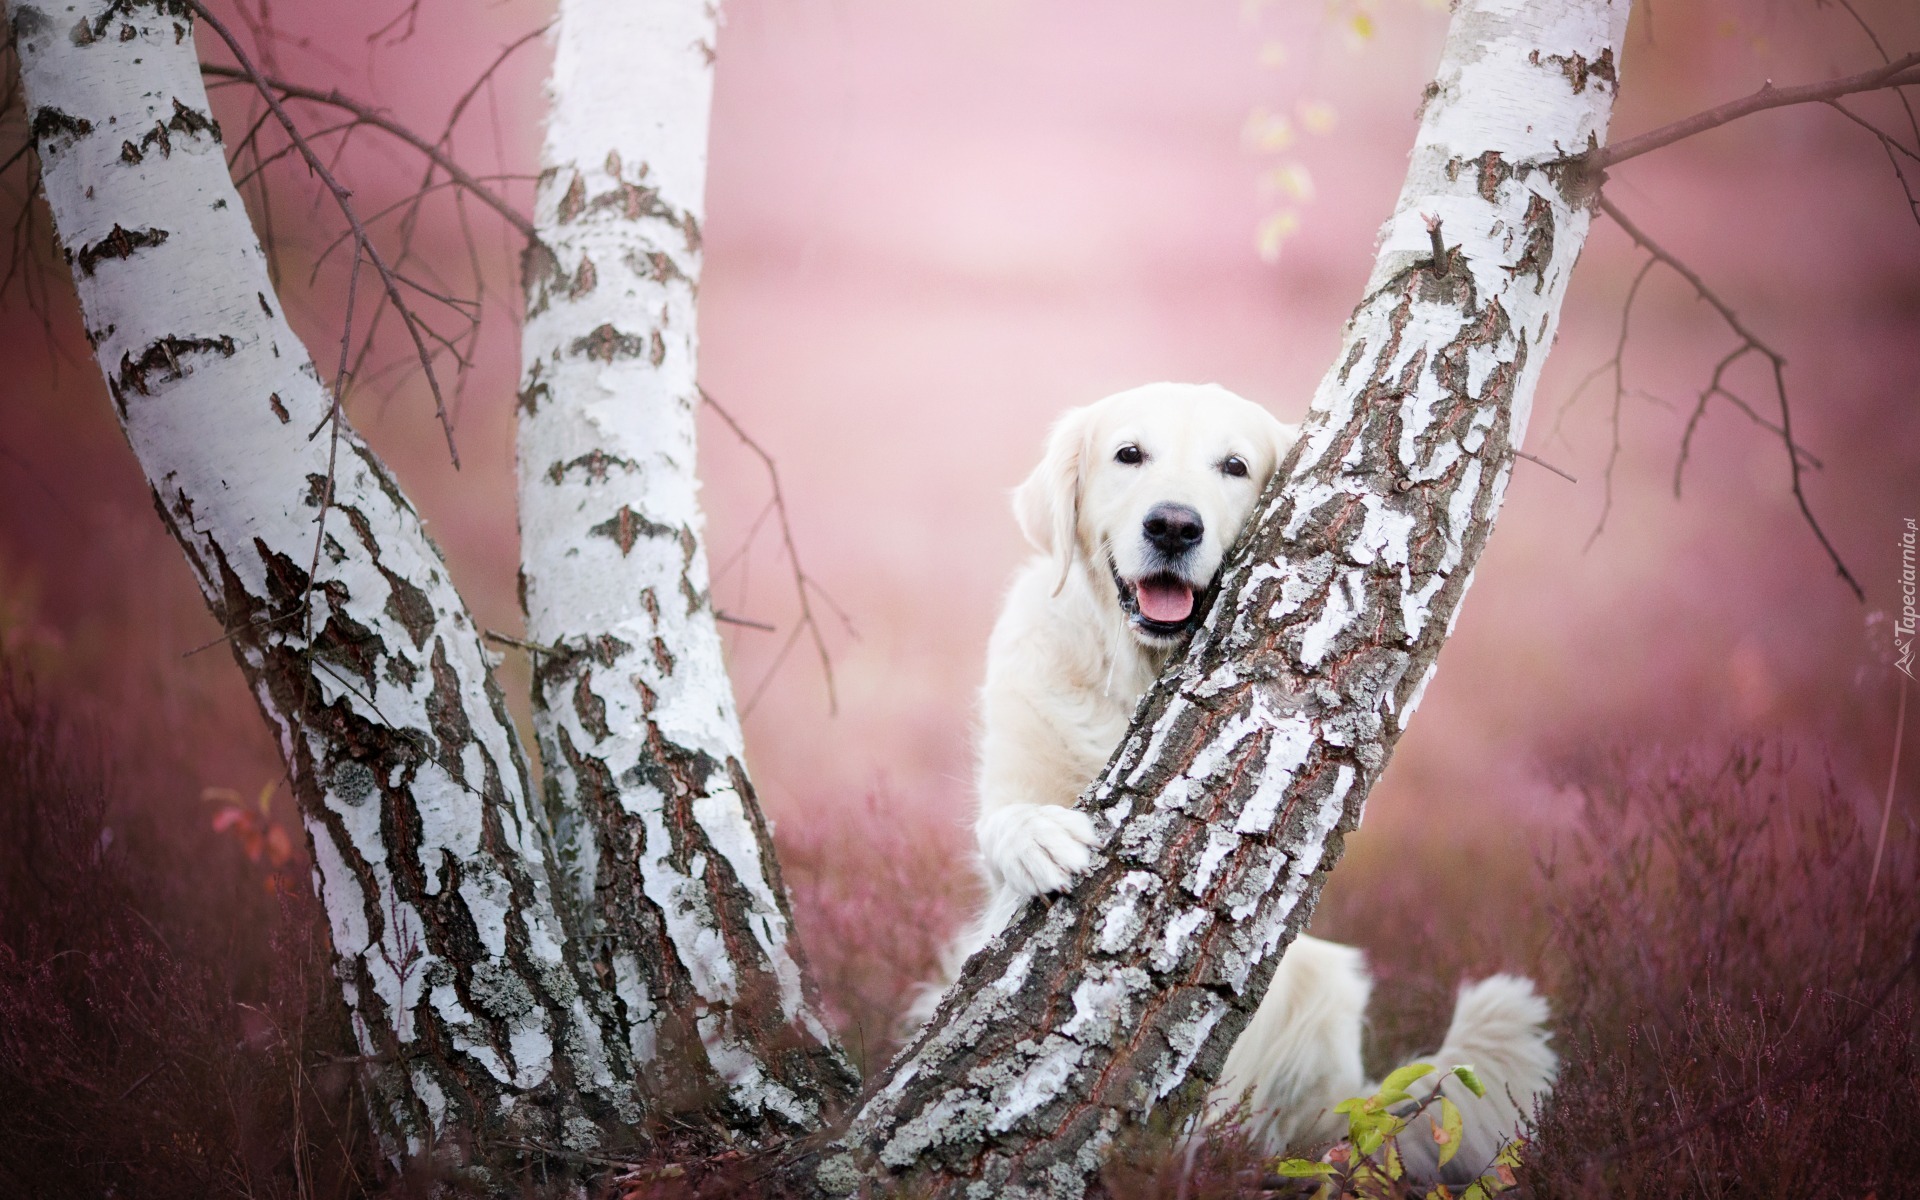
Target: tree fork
pixel 1250 760
pixel 482 1031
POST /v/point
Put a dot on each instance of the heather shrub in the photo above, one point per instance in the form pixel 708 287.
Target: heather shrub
pixel 1730 1010
pixel 167 1021
pixel 876 894
pixel 1735 1019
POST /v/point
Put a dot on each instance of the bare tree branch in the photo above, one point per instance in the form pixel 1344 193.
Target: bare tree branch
pixel 803 585
pixel 1900 73
pixel 343 198
pixel 1614 364
pixel 1913 121
pixel 1750 343
pixel 1893 147
pixel 1541 462
pixel 369 115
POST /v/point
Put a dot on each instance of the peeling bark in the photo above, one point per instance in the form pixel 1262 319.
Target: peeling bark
pixel 1250 760
pixel 659 834
pixel 479 1024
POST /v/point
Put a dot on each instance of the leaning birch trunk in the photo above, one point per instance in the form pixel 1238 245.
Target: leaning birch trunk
pixel 477 1024
pixel 1249 761
pixel 658 829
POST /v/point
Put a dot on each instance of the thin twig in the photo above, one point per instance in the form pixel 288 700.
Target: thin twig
pixel 1888 139
pixel 522 644
pixel 1617 365
pixel 333 449
pixel 1756 345
pixel 1541 462
pixel 439 155
pixel 1913 121
pixel 343 198
pixel 1886 820
pixel 374 117
pixel 803 586
pixel 1900 73
pixel 230 634
pixel 728 618
pixel 1893 147
pixel 410 16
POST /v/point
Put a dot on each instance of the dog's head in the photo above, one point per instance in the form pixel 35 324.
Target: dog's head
pixel 1146 490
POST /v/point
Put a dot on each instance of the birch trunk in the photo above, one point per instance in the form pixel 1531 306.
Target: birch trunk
pixel 1250 760
pixel 659 833
pixel 478 1024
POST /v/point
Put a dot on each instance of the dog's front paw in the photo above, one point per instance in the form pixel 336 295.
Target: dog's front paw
pixel 1033 849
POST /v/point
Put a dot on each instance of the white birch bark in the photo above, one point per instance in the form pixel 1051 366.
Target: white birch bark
pixel 658 828
pixel 1250 760
pixel 478 1024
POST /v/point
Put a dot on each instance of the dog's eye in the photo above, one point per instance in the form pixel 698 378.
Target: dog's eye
pixel 1130 454
pixel 1234 466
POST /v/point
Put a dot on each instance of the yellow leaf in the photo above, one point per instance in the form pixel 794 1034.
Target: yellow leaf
pixel 1292 179
pixel 1317 115
pixel 1275 230
pixel 1268 130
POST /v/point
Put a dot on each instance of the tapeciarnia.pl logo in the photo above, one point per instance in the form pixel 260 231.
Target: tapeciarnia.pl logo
pixel 1903 626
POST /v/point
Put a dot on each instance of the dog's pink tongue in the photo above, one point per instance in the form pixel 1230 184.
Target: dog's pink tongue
pixel 1165 600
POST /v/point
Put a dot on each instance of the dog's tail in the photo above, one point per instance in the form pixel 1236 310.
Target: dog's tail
pixel 1500 1030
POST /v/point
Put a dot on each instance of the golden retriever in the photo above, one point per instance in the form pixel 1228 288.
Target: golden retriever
pixel 1131 512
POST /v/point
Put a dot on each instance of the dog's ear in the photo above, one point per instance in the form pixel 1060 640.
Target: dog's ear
pixel 1047 504
pixel 1283 437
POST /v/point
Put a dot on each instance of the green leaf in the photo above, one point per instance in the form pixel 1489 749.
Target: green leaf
pixel 1398 1081
pixel 1300 1168
pixel 1467 1076
pixel 1367 1139
pixel 1347 1106
pixel 1449 1130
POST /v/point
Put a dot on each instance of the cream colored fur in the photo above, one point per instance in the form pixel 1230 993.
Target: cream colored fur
pixel 1066 666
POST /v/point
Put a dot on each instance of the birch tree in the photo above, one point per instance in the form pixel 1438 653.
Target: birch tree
pixel 477 1018
pixel 1250 760
pixel 658 829
pixel 549 977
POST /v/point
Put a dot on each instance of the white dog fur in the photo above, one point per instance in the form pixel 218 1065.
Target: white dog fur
pixel 1077 644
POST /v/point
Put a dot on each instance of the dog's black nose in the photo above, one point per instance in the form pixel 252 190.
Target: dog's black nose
pixel 1173 529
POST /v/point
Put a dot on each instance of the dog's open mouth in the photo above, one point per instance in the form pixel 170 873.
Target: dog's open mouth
pixel 1163 605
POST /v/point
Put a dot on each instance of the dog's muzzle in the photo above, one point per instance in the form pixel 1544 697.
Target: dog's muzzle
pixel 1162 606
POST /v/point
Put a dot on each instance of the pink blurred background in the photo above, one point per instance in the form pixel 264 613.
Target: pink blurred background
pixel 932 226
